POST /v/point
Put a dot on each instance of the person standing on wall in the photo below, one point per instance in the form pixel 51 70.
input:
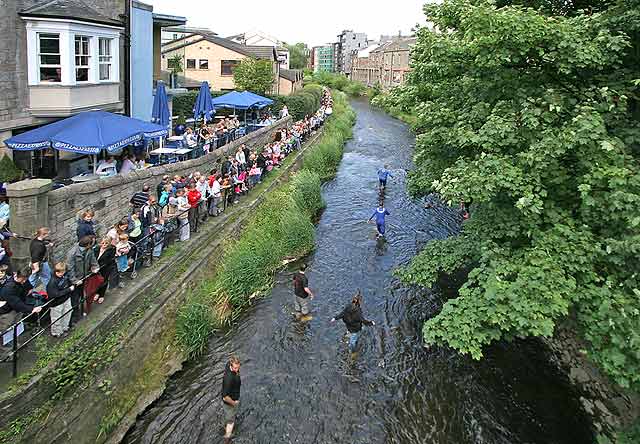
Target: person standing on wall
pixel 302 294
pixel 231 383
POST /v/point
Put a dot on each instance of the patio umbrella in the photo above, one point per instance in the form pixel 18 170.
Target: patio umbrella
pixel 87 133
pixel 160 111
pixel 203 105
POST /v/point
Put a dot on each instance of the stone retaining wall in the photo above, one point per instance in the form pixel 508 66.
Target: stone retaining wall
pixel 109 197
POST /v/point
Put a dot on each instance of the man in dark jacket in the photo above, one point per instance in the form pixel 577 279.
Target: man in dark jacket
pixel 166 180
pixel 352 317
pixel 231 383
pixel 12 300
pixel 81 262
pixel 227 166
pixel 303 294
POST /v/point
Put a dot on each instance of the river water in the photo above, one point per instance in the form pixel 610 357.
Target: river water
pixel 301 385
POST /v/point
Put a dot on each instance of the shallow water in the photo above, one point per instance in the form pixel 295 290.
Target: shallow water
pixel 300 384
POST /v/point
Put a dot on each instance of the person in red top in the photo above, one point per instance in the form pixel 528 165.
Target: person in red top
pixel 193 196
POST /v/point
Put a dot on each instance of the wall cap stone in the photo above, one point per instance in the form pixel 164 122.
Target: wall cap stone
pixel 29 187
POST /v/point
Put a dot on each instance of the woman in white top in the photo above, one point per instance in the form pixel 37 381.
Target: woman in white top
pixel 240 157
pixel 107 167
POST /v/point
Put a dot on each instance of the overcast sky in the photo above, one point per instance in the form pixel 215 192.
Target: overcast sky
pixel 313 22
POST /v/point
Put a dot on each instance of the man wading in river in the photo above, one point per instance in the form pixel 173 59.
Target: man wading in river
pixel 230 395
pixel 302 294
pixel 352 317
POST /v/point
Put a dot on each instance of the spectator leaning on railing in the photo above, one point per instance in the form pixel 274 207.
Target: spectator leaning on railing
pixel 81 262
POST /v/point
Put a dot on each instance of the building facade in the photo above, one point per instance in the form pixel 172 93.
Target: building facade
pixel 385 65
pixel 290 81
pixel 205 57
pixel 171 33
pixel 69 56
pixel 324 58
pixel 348 43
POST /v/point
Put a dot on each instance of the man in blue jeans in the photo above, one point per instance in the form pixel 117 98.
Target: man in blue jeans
pixel 352 317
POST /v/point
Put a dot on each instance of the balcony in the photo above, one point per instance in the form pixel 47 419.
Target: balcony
pixel 67 100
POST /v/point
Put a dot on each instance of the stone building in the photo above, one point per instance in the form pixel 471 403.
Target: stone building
pixel 208 57
pixel 62 57
pixel 386 64
pixel 348 43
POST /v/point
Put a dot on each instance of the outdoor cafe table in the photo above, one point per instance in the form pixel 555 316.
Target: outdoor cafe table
pixel 84 177
pixel 170 151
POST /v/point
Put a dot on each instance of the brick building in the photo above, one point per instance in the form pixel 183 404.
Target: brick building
pixel 386 64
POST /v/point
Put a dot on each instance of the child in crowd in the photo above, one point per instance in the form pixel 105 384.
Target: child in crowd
pixel 86 225
pixel 123 247
pixel 254 175
pixel 135 227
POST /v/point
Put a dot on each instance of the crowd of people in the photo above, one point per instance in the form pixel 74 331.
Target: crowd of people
pixel 171 211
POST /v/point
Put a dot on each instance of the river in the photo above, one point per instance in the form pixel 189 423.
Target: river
pixel 301 385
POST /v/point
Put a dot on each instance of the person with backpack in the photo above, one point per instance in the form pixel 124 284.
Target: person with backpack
pixel 59 293
pixel 302 294
pixel 353 319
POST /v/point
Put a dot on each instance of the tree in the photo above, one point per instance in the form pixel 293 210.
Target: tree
pixel 254 75
pixel 298 55
pixel 534 118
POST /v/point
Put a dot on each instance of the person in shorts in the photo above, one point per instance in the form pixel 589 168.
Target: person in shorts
pixel 302 294
pixel 231 383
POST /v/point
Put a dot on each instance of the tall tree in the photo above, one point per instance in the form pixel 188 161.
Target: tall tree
pixel 254 75
pixel 534 118
pixel 298 55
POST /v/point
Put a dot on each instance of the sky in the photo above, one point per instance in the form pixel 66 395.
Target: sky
pixel 314 23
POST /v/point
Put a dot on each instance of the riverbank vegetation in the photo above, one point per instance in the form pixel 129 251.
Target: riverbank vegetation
pixel 281 228
pixel 533 116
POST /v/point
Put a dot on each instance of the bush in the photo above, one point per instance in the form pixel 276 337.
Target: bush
pixel 9 172
pixel 183 103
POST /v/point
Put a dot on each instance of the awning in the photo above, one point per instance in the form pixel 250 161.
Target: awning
pixel 87 133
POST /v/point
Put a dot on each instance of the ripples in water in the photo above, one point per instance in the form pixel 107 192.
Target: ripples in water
pixel 300 384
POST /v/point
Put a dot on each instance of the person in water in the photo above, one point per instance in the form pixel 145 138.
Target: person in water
pixel 303 294
pixel 380 213
pixel 231 383
pixel 352 317
pixel 383 175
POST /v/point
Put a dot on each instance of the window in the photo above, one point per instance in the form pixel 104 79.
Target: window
pixel 191 63
pixel 104 58
pixel 82 58
pixel 49 58
pixel 227 67
pixel 175 36
pixel 203 64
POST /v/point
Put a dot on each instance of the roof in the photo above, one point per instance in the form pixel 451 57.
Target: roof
pixel 69 9
pixel 165 20
pixel 293 75
pixel 402 44
pixel 258 52
pixel 365 52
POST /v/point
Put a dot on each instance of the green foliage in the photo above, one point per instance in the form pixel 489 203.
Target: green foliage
pixel 280 228
pixel 175 64
pixel 254 75
pixel 9 172
pixel 298 55
pixel 339 82
pixel 183 103
pixel 534 118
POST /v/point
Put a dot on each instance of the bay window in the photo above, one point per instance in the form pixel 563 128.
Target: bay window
pixel 82 58
pixel 50 69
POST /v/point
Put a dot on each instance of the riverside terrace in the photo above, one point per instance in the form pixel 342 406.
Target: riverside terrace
pixel 161 235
